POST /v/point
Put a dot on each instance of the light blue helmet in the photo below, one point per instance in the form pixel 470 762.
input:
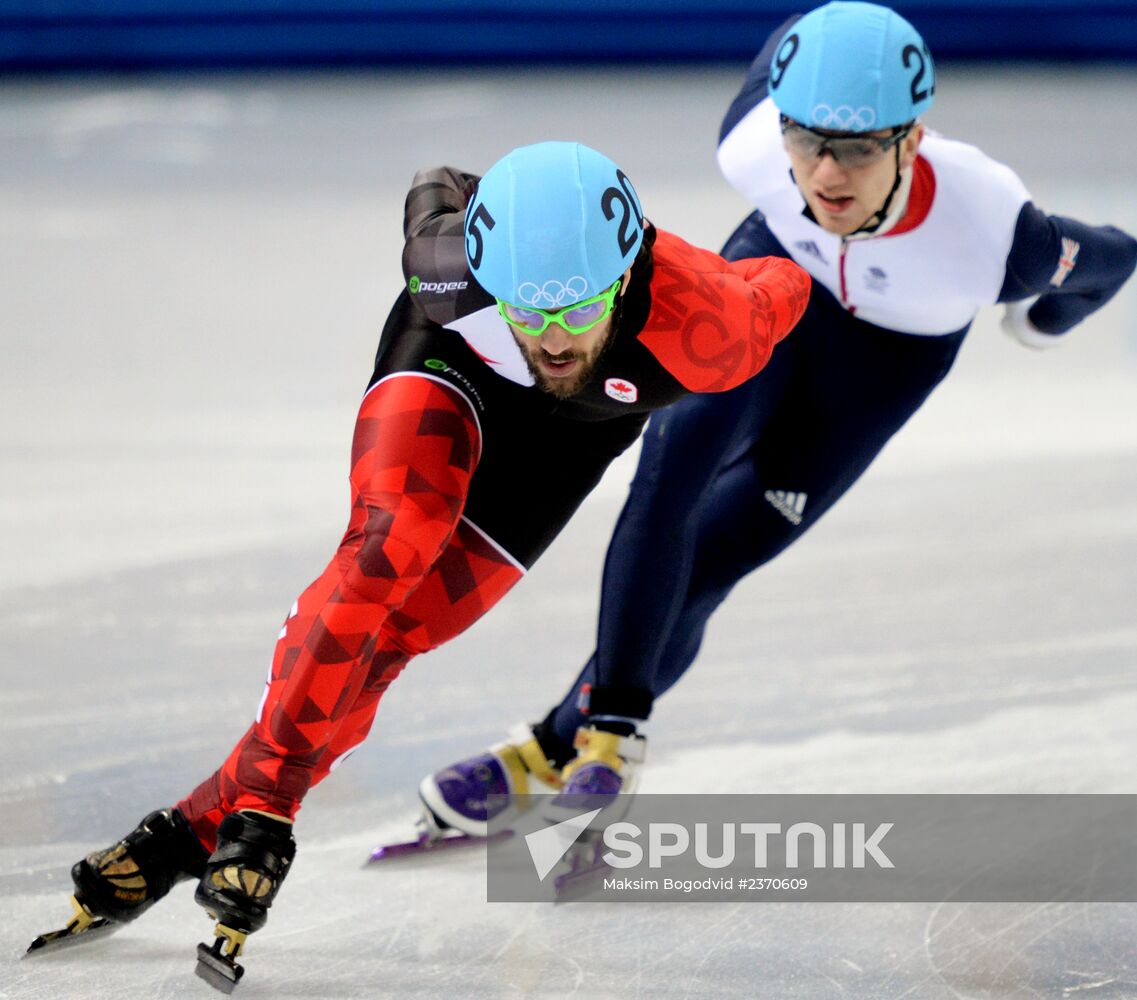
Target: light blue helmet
pixel 552 224
pixel 852 67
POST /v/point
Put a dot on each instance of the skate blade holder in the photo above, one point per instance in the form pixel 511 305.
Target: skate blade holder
pixel 431 836
pixel 217 965
pixel 83 926
pixel 429 830
pixel 583 861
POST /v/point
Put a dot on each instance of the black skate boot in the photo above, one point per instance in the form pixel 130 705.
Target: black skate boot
pixel 242 877
pixel 123 881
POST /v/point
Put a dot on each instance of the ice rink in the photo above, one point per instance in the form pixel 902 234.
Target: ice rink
pixel 195 270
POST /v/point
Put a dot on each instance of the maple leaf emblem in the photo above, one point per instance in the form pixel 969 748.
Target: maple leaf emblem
pixel 621 390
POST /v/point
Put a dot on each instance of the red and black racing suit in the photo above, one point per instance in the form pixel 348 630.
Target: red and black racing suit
pixel 461 477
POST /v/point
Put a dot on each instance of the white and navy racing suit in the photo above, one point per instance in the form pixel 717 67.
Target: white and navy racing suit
pixel 730 481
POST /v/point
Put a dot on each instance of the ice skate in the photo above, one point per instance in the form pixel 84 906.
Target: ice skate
pixel 241 879
pixel 457 797
pixel 606 766
pixel 429 836
pixel 118 884
pixel 601 776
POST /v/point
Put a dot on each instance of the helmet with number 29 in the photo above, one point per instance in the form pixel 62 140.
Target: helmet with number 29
pixel 552 224
pixel 852 67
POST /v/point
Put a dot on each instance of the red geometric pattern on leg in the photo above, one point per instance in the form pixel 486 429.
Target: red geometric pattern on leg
pixel 465 582
pixel 204 810
pixel 412 459
pixel 408 428
pixel 468 579
pixel 386 665
pixel 414 427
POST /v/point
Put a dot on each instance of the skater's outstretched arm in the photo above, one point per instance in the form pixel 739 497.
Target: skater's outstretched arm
pixel 1059 271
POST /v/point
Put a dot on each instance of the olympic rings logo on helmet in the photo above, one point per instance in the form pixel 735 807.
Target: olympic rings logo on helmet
pixel 553 293
pixel 843 118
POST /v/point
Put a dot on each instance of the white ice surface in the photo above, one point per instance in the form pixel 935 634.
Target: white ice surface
pixel 194 274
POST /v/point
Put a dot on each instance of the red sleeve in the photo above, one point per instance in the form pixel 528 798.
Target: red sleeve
pixel 714 323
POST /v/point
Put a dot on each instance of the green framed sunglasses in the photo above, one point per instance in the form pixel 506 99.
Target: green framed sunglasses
pixel 576 319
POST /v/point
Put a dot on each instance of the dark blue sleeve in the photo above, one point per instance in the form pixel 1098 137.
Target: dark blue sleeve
pixel 753 239
pixel 754 86
pixel 1074 268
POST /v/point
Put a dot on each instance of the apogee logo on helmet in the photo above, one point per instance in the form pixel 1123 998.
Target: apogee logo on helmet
pixel 416 285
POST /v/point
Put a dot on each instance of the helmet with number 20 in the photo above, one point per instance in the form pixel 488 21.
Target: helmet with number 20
pixel 852 67
pixel 552 224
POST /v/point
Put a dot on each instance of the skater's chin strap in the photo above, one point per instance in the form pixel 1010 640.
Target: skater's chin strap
pixel 894 207
pixel 873 224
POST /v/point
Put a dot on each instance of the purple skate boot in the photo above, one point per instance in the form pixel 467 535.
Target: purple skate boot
pixel 457 797
pixel 600 777
pixel 606 765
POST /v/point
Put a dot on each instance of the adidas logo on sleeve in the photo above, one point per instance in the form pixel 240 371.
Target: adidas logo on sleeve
pixel 790 505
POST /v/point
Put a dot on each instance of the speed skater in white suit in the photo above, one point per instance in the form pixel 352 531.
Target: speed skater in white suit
pixel 906 234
